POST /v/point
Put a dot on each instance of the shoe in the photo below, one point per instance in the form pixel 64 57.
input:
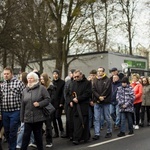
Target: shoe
pixel 121 134
pixel 75 142
pixel 96 137
pixel 148 124
pixel 142 124
pixel 108 135
pixel 116 127
pixel 131 132
pixel 55 136
pixel 136 127
pixel 63 135
pixel 49 145
pixel 32 145
pixel 71 138
pixel 18 146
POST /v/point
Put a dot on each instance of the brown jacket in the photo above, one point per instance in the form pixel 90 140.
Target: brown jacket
pixel 146 96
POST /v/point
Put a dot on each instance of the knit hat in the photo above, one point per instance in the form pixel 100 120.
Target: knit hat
pixel 125 80
pixel 56 71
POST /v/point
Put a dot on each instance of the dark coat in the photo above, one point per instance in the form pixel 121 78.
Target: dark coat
pixel 52 91
pixel 29 113
pixel 83 90
pixel 102 87
pixel 59 95
pixel 115 85
pixel 68 91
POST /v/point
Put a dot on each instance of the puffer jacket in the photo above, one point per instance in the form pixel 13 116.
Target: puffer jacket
pixel 125 96
pixel 29 113
pixel 137 88
pixel 146 95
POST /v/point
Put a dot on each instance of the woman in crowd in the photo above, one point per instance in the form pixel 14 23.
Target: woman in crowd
pixel 23 78
pixel 145 101
pixel 137 87
pixel 34 98
pixel 45 80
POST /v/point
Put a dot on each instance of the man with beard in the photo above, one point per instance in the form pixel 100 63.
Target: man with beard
pixel 81 93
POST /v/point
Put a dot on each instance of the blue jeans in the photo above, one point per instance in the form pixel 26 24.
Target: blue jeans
pixel 20 136
pixel 127 115
pixel 97 117
pixel 11 122
pixel 115 114
pixel 91 116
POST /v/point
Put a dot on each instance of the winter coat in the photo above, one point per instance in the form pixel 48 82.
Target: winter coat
pixel 125 96
pixel 146 95
pixel 30 113
pixel 59 94
pixel 115 85
pixel 83 90
pixel 137 87
pixel 102 87
pixel 52 91
pixel 68 91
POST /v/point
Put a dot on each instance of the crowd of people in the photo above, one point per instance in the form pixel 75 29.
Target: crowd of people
pixel 87 102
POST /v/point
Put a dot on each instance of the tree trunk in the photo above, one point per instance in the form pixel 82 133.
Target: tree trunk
pixel 106 30
pixel 4 58
pixel 41 65
pixel 130 38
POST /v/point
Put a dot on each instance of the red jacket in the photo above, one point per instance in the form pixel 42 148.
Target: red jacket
pixel 137 87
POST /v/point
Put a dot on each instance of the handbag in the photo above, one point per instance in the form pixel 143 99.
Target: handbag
pixel 48 110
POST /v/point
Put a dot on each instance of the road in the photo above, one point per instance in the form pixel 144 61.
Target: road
pixel 139 141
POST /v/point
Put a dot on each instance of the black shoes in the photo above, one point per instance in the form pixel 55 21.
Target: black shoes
pixel 63 135
pixel 121 134
pixel 75 142
pixel 108 135
pixel 96 137
pixel 131 132
pixel 55 136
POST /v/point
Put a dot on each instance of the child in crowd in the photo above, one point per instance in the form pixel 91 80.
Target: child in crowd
pixel 125 97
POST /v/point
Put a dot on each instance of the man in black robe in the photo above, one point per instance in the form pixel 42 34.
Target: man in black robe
pixel 81 93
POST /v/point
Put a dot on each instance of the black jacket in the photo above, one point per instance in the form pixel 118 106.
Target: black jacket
pixel 52 91
pixel 59 95
pixel 83 90
pixel 102 87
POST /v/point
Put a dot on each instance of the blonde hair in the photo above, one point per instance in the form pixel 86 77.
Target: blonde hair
pixel 46 79
pixel 136 75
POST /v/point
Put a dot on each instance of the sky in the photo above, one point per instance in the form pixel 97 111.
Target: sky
pixel 142 28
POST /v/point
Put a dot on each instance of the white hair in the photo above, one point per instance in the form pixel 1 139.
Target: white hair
pixel 34 75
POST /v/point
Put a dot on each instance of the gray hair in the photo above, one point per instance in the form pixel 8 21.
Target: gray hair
pixel 34 75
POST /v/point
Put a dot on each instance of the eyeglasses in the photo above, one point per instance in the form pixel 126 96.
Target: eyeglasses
pixel 76 76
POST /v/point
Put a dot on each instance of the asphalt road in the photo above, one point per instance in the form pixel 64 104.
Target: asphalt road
pixel 139 141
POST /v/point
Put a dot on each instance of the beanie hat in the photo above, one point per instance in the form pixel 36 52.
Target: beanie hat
pixel 125 80
pixel 56 71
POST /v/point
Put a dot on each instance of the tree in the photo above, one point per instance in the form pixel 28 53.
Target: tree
pixel 65 15
pixel 7 30
pixel 128 10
